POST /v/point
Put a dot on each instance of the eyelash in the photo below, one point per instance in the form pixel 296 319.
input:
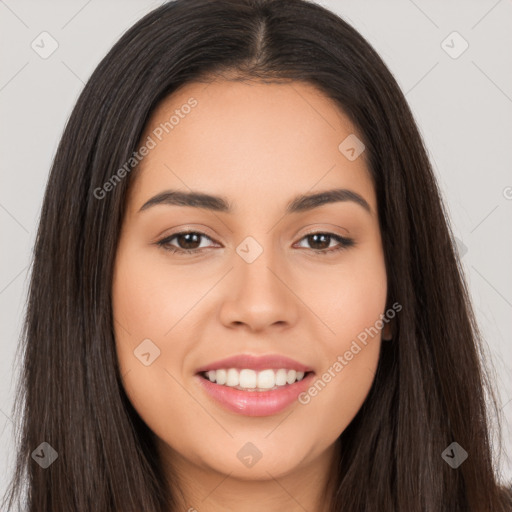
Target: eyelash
pixel 345 243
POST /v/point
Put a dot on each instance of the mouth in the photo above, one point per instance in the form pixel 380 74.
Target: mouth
pixel 247 379
pixel 254 385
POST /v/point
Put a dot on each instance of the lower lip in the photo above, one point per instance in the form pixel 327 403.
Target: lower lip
pixel 256 403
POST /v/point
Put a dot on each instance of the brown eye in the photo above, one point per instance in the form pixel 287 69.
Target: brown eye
pixel 320 242
pixel 187 242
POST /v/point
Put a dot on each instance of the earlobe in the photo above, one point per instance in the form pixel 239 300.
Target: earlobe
pixel 387 332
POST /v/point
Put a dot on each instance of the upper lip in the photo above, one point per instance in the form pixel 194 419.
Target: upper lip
pixel 241 361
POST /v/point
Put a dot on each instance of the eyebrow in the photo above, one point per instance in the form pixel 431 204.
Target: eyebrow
pixel 301 203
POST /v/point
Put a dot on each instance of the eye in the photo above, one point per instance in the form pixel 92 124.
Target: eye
pixel 188 241
pixel 186 238
pixel 319 238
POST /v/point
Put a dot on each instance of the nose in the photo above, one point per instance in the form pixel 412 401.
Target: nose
pixel 260 295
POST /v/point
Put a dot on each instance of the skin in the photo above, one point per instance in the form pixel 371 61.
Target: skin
pixel 259 145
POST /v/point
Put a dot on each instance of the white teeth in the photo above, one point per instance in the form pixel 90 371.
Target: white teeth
pixel 233 378
pixel 281 377
pixel 290 378
pixel 248 379
pixel 252 380
pixel 266 379
pixel 219 376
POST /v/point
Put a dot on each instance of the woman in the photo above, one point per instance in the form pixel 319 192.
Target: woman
pixel 316 350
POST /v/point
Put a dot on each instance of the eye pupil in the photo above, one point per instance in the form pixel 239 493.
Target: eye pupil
pixel 315 240
pixel 187 236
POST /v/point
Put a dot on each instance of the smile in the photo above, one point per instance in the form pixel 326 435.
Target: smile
pixel 253 401
pixel 252 380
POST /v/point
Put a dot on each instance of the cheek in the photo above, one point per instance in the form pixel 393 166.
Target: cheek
pixel 147 299
pixel 138 294
pixel 350 298
pixel 352 306
pixel 140 324
pixel 342 385
pixel 142 302
pixel 150 295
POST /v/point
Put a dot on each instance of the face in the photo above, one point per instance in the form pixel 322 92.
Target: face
pixel 287 287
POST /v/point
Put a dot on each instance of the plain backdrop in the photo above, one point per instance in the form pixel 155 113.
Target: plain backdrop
pixel 458 85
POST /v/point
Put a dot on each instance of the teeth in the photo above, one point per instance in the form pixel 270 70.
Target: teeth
pixel 281 377
pixel 233 378
pixel 266 379
pixel 248 379
pixel 219 376
pixel 290 378
pixel 252 380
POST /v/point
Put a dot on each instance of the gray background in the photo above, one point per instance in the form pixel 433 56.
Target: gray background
pixel 462 105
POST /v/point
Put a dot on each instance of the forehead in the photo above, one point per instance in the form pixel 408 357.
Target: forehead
pixel 253 142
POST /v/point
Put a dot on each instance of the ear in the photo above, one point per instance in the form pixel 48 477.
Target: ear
pixel 387 333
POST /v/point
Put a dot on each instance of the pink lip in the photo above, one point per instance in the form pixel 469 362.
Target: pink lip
pixel 255 403
pixel 242 361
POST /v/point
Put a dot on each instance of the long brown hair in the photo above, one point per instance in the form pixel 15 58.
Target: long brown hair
pixel 430 389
